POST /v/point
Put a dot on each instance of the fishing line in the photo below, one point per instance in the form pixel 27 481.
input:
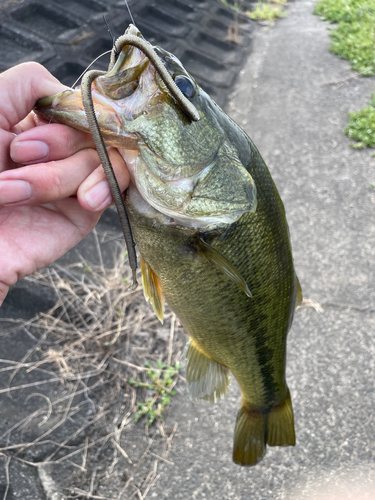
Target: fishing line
pixel 89 66
pixel 101 55
pixel 112 37
pixel 130 14
pixel 88 105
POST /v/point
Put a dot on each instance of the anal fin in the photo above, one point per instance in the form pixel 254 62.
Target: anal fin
pixel 280 424
pixel 207 380
pixel 152 289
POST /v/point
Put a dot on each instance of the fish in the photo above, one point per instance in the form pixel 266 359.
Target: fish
pixel 212 235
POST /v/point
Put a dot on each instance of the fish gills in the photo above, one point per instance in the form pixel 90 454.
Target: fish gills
pixel 254 430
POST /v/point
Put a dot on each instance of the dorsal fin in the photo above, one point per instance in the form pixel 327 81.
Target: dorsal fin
pixel 222 263
pixel 152 289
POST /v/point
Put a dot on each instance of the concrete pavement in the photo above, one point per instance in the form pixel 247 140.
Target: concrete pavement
pixel 292 99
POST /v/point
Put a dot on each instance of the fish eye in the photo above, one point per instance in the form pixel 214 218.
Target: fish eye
pixel 185 85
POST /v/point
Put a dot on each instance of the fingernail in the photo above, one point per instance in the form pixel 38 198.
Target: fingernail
pixel 99 196
pixel 28 151
pixel 14 191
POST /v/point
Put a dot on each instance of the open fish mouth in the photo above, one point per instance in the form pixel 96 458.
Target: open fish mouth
pixel 120 96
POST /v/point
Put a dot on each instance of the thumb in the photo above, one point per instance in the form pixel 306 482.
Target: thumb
pixel 20 88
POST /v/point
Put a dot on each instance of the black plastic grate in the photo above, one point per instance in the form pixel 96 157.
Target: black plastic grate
pixel 67 36
pixel 43 20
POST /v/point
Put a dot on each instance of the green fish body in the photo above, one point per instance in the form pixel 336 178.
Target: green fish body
pixel 213 238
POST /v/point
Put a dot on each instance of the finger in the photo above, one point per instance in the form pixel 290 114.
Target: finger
pixel 25 124
pixel 48 143
pixel 94 193
pixel 46 182
pixel 20 88
pixel 6 139
pixel 32 120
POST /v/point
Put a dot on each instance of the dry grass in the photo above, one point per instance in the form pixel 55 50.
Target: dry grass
pixel 75 377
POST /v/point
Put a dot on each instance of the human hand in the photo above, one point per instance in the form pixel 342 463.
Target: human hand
pixel 52 186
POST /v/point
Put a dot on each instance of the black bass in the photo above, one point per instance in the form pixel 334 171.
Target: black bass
pixel 212 234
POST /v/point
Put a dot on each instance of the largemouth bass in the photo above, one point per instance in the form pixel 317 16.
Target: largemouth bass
pixel 212 234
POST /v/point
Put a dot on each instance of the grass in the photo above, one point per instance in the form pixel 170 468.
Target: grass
pixel 234 4
pixel 354 40
pixel 354 37
pixel 361 126
pixel 96 359
pixel 265 11
pixel 159 384
pixel 268 11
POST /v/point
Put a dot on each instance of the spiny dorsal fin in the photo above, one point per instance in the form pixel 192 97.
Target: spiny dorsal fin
pixel 152 289
pixel 222 263
pixel 206 379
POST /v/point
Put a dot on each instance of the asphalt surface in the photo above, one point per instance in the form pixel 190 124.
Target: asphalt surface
pixel 291 97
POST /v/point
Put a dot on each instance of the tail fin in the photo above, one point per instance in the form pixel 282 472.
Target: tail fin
pixel 249 437
pixel 254 430
pixel 280 424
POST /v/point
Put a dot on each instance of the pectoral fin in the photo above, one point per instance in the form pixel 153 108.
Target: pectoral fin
pixel 207 380
pixel 152 290
pixel 222 263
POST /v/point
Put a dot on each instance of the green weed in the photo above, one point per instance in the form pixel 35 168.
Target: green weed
pixel 265 10
pixel 268 11
pixel 233 4
pixel 160 386
pixel 361 126
pixel 354 37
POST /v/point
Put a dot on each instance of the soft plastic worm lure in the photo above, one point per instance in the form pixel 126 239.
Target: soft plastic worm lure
pixel 87 80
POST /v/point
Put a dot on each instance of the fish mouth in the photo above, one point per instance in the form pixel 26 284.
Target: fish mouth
pixel 128 91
